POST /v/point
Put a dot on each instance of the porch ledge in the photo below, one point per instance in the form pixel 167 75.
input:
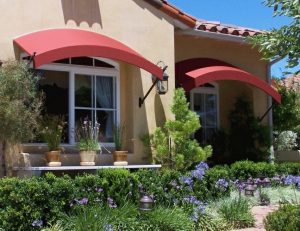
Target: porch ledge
pixel 64 168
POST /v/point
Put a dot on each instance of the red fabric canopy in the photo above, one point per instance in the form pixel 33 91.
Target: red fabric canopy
pixel 196 72
pixel 56 44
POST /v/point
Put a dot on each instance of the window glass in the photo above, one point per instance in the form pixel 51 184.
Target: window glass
pixel 104 92
pixel 91 96
pixel 83 90
pixel 204 103
pixel 54 85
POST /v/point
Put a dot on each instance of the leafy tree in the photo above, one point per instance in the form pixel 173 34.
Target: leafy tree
pixel 173 143
pixel 20 104
pixel 282 42
pixel 286 116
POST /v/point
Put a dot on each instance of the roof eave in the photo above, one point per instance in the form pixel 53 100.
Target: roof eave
pixel 213 35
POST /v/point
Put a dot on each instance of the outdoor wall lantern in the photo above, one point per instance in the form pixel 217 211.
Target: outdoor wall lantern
pixel 249 190
pixel 161 85
pixel 146 203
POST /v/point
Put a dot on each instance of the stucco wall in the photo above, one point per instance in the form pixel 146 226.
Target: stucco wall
pixel 132 22
pixel 237 54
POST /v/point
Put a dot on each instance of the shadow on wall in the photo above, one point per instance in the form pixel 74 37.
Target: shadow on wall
pixel 144 5
pixel 82 11
pixel 160 115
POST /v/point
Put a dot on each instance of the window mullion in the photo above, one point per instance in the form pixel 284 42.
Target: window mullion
pixel 71 107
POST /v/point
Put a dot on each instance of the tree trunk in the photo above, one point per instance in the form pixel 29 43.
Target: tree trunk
pixel 2 159
pixel 11 157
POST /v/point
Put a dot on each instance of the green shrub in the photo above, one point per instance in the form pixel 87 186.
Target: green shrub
pixel 24 201
pixel 242 170
pixel 237 212
pixel 117 184
pixel 36 199
pixel 163 185
pixel 246 169
pixel 211 176
pixel 286 218
pixel 288 169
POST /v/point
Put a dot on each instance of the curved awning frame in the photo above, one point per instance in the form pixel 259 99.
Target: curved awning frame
pixel 196 72
pixel 55 44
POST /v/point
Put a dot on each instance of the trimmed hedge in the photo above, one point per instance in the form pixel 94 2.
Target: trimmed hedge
pixel 246 169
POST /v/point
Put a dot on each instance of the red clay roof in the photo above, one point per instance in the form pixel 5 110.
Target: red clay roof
pixel 292 82
pixel 217 27
pixel 201 25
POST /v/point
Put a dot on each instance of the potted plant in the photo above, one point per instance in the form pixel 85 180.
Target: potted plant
pixel 88 142
pixel 51 133
pixel 119 155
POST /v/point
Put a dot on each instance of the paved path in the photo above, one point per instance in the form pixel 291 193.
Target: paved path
pixel 260 212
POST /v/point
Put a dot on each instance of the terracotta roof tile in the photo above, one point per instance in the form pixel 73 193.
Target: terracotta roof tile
pixel 202 25
pixel 292 82
pixel 226 29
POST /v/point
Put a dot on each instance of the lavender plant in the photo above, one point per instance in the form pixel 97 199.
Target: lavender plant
pixel 88 136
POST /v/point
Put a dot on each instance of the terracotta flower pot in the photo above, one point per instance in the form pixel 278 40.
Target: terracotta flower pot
pixel 120 157
pixel 53 158
pixel 87 158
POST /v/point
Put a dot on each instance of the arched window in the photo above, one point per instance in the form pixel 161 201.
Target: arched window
pixel 205 102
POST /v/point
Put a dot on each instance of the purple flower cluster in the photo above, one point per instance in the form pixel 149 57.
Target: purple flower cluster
pixel 99 190
pixel 83 201
pixel 240 185
pixel 292 180
pixel 198 173
pixel 37 223
pixel 187 180
pixel 192 200
pixel 108 227
pixel 222 183
pixel 111 203
pixel 202 165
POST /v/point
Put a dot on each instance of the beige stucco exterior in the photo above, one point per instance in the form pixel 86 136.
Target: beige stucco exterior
pixel 151 33
pixel 132 22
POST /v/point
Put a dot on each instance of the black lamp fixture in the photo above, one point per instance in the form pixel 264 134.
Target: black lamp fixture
pixel 161 85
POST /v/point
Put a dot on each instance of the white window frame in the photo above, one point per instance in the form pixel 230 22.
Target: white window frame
pixel 207 90
pixel 86 70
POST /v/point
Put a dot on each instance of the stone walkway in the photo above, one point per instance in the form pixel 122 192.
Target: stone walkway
pixel 260 212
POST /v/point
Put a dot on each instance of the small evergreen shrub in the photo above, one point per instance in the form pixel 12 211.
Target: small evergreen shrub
pixel 286 218
pixel 172 144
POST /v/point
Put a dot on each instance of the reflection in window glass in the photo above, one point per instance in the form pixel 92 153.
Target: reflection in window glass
pixel 205 105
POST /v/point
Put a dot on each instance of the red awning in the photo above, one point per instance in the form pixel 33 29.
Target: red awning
pixel 56 44
pixel 189 76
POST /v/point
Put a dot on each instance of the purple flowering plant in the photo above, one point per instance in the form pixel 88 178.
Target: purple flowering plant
pixel 88 136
